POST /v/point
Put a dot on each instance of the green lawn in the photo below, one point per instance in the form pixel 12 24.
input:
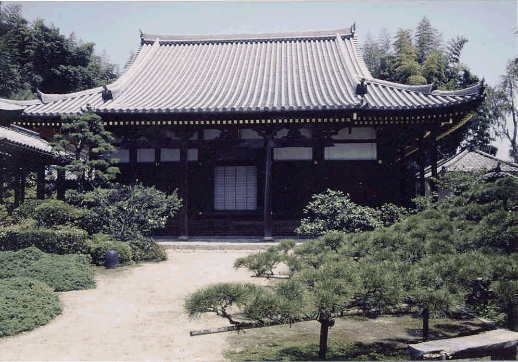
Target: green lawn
pixel 352 338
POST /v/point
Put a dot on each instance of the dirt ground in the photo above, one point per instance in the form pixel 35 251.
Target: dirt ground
pixel 135 313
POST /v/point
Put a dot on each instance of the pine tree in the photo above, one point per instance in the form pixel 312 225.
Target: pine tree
pixel 90 145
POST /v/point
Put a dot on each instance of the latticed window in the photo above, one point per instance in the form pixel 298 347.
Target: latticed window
pixel 235 188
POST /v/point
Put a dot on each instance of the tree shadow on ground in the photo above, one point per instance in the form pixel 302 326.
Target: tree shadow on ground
pixel 358 351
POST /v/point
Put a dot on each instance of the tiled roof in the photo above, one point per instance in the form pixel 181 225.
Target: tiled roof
pixel 24 138
pixel 249 73
pixel 470 161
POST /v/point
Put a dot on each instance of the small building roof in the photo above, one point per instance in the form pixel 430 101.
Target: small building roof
pixel 472 161
pixel 308 71
pixel 24 139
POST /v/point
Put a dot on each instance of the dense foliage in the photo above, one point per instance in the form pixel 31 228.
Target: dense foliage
pixel 430 262
pixel 420 56
pixel 60 272
pixel 58 240
pixel 126 212
pixel 25 304
pixel 84 137
pixel 335 211
pixel 37 56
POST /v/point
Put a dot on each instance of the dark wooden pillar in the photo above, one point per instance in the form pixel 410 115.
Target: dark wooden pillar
pixel 40 182
pixel 60 184
pixel 19 187
pixel 318 161
pixel 133 164
pixel 421 161
pixel 433 163
pixel 267 209
pixel 184 191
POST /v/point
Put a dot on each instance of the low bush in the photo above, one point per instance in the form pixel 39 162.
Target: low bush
pixel 61 240
pixel 51 213
pixel 101 243
pixel 146 249
pixel 25 304
pixel 335 211
pixel 126 212
pixel 60 272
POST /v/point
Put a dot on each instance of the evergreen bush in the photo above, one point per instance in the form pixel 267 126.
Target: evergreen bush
pixel 25 304
pixel 102 243
pixel 60 272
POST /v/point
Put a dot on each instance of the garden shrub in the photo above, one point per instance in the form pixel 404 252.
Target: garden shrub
pixel 101 243
pixel 126 212
pixel 51 213
pixel 25 304
pixel 262 263
pixel 334 210
pixel 61 240
pixel 60 272
pixel 146 249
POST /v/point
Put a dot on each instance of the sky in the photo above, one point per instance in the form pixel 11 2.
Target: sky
pixel 489 25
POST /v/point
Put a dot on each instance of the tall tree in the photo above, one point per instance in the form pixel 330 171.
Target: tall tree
pixel 408 70
pixel 427 39
pixel 505 100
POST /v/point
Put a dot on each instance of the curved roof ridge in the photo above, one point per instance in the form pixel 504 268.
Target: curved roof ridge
pixel 49 98
pixel 424 88
pixel 510 163
pixel 149 38
pixel 460 92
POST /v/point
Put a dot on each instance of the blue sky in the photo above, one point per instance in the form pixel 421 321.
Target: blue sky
pixel 113 26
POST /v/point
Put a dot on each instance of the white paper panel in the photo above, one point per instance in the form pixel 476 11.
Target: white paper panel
pixel 292 153
pixel 169 154
pixel 192 154
pixel 210 134
pixel 121 154
pixel 351 151
pixel 235 188
pixel 357 133
pixel 145 155
pixel 249 134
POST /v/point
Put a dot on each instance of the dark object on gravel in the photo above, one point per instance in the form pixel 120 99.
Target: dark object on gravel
pixel 111 259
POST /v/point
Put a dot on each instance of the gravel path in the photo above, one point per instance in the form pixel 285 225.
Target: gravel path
pixel 135 313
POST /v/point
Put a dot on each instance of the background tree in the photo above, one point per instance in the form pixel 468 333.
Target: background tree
pixel 37 56
pixel 504 100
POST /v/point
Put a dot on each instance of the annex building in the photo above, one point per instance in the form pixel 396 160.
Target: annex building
pixel 248 127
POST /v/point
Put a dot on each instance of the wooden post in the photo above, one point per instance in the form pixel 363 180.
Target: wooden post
pixel 40 182
pixel 433 152
pixel 133 164
pixel 184 149
pixel 426 323
pixel 422 181
pixel 267 210
pixel 17 189
pixel 402 175
pixel 60 184
pixel 23 179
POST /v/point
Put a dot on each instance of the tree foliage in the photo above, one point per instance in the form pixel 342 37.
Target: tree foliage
pixel 84 137
pixel 37 56
pixel 420 57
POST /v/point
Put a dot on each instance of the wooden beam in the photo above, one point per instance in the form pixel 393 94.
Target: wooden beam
pixel 421 161
pixel 40 182
pixel 433 154
pixel 267 210
pixel 184 190
pixel 60 184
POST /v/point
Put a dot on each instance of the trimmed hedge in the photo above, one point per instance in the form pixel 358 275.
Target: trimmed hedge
pixel 102 243
pixel 25 304
pixel 61 240
pixel 60 272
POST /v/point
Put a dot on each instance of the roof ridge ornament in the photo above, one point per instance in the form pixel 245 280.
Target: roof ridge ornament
pixel 361 90
pixel 141 33
pixel 353 28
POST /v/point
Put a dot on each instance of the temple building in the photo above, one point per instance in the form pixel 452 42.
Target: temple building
pixel 248 127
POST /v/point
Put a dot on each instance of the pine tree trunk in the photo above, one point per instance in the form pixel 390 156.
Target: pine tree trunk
pixel 324 331
pixel 426 323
